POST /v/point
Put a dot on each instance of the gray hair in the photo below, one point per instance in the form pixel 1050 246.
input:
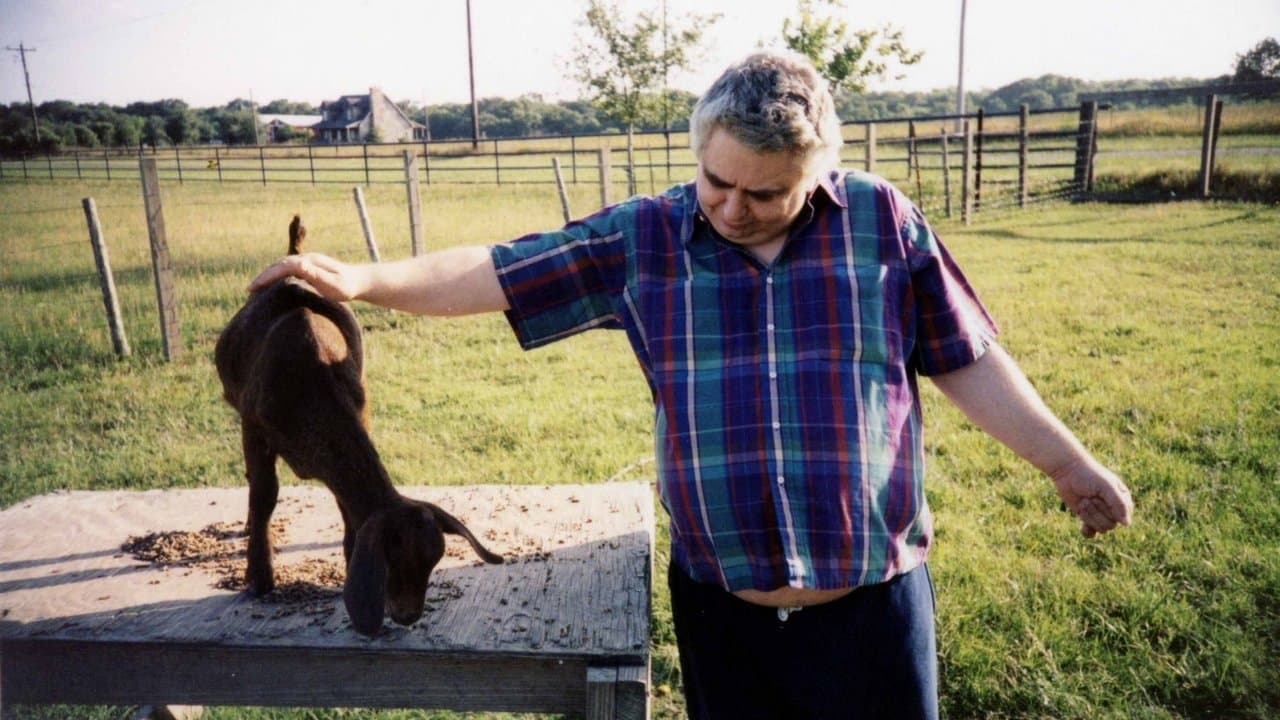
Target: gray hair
pixel 772 102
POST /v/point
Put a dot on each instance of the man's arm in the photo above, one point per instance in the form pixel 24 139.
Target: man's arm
pixel 457 281
pixel 997 397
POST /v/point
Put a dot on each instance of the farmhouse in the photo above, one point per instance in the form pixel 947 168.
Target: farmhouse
pixel 357 118
pixel 281 128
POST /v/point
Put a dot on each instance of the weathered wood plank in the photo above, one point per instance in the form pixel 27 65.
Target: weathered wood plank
pixel 574 592
pixel 88 672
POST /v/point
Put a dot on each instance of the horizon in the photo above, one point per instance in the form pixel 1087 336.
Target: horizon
pixel 208 53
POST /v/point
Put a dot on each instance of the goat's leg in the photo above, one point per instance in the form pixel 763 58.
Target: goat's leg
pixel 348 534
pixel 264 489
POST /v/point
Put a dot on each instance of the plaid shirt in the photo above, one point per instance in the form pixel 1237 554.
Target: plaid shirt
pixel 788 432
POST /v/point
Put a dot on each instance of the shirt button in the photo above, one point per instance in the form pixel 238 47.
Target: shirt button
pixel 769 279
pixel 773 376
pixel 777 425
pixel 769 327
pixel 782 480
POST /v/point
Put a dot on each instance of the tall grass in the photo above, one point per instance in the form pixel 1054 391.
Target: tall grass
pixel 1154 331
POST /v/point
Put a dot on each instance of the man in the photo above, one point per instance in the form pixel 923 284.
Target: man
pixel 781 310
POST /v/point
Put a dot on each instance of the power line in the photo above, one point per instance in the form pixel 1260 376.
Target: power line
pixel 22 50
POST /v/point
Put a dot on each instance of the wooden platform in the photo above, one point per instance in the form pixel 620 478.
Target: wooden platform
pixel 562 627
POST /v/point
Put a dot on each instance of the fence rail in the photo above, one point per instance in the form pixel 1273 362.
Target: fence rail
pixel 1027 153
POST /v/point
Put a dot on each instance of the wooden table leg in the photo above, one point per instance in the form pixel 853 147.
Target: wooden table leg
pixel 619 692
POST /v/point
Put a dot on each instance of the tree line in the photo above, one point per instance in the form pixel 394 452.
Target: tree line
pixel 65 125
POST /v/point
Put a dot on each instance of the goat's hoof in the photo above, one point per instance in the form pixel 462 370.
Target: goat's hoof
pixel 258 588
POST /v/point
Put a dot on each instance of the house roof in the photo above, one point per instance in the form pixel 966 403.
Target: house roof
pixel 335 124
pixel 290 120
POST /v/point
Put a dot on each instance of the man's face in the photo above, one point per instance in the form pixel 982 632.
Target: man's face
pixel 750 198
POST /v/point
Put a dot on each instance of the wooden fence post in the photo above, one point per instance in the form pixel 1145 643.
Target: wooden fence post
pixel 1024 114
pixel 1086 135
pixel 602 162
pixel 913 161
pixel 497 163
pixel 966 209
pixel 365 225
pixel 262 162
pixel 871 147
pixel 160 263
pixel 573 157
pixel 631 163
pixel 177 161
pixel 564 199
pixel 946 174
pixel 1212 111
pixel 415 202
pixel 426 162
pixel 119 342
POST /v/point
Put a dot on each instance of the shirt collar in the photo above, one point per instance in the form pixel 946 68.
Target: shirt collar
pixel 824 192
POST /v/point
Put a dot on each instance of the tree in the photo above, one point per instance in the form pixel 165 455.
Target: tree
pixel 182 127
pixel 1260 63
pixel 847 62
pixel 623 66
pixel 153 132
pixel 128 130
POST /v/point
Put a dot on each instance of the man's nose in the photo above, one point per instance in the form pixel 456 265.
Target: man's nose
pixel 734 206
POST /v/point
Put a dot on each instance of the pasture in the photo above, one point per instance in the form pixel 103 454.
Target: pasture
pixel 1153 331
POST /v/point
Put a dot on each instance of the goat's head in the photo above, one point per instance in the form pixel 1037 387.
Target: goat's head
pixel 395 551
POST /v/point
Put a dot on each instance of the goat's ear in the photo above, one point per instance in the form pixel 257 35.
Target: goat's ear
pixel 454 526
pixel 365 591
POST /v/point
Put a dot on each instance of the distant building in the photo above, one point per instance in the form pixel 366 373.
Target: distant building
pixel 281 128
pixel 353 118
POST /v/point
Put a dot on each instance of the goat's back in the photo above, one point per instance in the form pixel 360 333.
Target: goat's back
pixel 289 348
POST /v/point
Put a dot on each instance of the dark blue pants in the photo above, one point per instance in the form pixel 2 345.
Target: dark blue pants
pixel 870 654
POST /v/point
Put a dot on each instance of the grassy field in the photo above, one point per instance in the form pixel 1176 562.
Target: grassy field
pixel 1153 330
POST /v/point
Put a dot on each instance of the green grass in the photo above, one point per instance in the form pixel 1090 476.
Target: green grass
pixel 1154 331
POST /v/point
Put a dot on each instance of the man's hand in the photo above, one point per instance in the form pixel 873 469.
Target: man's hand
pixel 1095 495
pixel 455 281
pixel 333 279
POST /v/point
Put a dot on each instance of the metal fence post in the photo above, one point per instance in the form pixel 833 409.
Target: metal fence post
pixel 946 174
pixel 564 199
pixel 1212 111
pixel 966 209
pixel 1024 114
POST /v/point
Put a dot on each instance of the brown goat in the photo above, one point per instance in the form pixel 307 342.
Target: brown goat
pixel 291 364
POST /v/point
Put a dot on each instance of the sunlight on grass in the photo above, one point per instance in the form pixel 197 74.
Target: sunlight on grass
pixel 1152 330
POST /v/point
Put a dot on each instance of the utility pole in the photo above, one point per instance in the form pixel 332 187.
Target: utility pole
pixel 471 67
pixel 253 117
pixel 960 83
pixel 22 50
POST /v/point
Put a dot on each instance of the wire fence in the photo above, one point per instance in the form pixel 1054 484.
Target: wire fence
pixel 990 163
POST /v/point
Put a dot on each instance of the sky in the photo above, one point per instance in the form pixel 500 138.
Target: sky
pixel 209 52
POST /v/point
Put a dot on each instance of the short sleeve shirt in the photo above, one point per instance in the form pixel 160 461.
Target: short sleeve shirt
pixel 787 427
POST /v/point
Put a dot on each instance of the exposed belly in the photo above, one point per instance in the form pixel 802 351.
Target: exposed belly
pixel 791 597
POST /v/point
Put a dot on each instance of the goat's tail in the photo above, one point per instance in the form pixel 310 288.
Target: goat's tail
pixel 297 233
pixel 454 526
